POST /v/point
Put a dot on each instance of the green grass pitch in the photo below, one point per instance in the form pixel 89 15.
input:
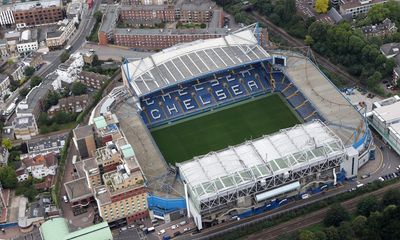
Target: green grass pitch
pixel 222 128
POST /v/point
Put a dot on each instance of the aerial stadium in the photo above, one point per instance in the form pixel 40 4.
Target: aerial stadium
pixel 247 129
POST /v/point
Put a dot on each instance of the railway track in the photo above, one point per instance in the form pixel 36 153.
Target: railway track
pixel 314 217
pixel 286 227
pixel 299 43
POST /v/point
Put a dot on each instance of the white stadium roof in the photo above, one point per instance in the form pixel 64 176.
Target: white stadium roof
pixel 188 60
pixel 236 167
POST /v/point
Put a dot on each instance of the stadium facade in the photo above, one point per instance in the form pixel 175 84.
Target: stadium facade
pixel 191 78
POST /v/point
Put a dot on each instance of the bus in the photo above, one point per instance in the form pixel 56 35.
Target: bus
pixel 10 109
pixel 68 48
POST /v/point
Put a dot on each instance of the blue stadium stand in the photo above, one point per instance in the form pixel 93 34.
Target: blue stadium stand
pixel 220 89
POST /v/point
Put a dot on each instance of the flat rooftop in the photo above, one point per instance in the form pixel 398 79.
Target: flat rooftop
pixel 78 189
pixel 138 31
pixel 109 18
pixel 83 132
pixel 357 3
pixel 23 6
pixel 389 113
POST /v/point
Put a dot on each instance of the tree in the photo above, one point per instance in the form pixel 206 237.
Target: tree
pixel 335 215
pixel 367 205
pixel 8 177
pixel 95 61
pixel 23 92
pixel 320 235
pixel 64 56
pixel 345 231
pixel 378 13
pixel 307 235
pixel 374 80
pixel 309 40
pixel 29 71
pixel 331 233
pixel 6 143
pixel 78 88
pixel 391 197
pixel 321 6
pixel 35 81
pixel 359 225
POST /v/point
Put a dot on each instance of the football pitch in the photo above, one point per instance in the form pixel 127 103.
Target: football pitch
pixel 225 127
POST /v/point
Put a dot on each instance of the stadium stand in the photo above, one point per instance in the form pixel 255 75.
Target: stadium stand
pixel 219 89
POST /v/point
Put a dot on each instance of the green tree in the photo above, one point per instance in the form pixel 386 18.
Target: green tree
pixel 64 56
pixel 367 205
pixel 23 92
pixel 51 100
pixel 359 225
pixel 35 81
pixel 29 71
pixel 96 61
pixel 289 9
pixel 307 235
pixel 335 215
pixel 309 40
pixel 345 231
pixel 378 13
pixel 331 233
pixel 78 88
pixel 8 177
pixel 321 6
pixel 6 143
pixel 374 80
pixel 320 235
pixel 391 197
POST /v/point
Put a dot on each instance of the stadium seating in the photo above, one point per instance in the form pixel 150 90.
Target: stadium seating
pixel 219 89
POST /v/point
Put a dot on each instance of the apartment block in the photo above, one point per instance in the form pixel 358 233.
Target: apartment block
pixel 91 79
pixel 354 7
pixel 71 104
pixel 38 12
pixel 123 196
pixel 84 141
pixel 185 11
pixel 155 39
pixel 59 37
pixel 146 2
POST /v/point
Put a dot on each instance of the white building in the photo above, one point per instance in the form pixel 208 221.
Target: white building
pixel 41 165
pixel 67 72
pixel 385 118
pixel 355 7
pixel 61 36
pixel 28 41
pixel 25 127
pixel 4 83
pixel 6 16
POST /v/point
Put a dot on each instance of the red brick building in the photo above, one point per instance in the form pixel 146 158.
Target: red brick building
pixel 159 39
pixel 38 13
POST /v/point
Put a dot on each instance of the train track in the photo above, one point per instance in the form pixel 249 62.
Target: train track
pixel 286 227
pixel 314 217
pixel 299 43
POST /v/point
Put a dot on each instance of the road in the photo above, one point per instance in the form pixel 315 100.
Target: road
pixel 294 42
